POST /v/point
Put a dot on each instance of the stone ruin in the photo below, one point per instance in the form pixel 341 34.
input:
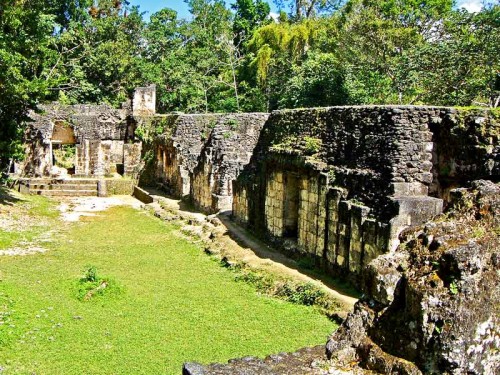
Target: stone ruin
pixel 103 139
pixel 76 150
pixel 341 186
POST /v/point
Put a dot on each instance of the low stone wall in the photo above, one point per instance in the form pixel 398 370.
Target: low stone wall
pixel 108 187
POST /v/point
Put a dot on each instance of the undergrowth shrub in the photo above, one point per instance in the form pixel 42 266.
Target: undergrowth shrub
pixel 301 293
pixel 91 285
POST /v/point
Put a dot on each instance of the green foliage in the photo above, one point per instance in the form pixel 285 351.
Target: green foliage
pixel 319 81
pixel 102 54
pixel 233 124
pixel 300 293
pixel 91 285
pixel 148 157
pixel 453 287
pixel 65 156
pixel 462 69
pixel 300 9
pixel 90 275
pixel 26 58
pixel 249 15
pixel 312 145
pixel 148 129
pixel 305 294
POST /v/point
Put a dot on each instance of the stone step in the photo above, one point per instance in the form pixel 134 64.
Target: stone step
pixel 65 193
pixel 73 181
pixel 62 186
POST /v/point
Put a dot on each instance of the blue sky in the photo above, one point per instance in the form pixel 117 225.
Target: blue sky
pixel 152 6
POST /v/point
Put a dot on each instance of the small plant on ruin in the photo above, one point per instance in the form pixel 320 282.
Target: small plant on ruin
pixel 312 145
pixel 233 124
pixel 453 287
pixel 212 124
pixel 148 157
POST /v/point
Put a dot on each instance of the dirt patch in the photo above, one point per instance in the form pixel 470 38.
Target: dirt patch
pixel 13 215
pixel 73 208
pixel 21 251
pixel 29 231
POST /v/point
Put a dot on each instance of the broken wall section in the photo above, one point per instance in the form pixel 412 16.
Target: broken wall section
pixel 198 156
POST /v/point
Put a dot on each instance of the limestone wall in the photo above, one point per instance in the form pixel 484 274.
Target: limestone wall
pixel 339 184
pixel 200 155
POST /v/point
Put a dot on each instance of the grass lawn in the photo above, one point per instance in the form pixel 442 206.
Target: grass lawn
pixel 168 303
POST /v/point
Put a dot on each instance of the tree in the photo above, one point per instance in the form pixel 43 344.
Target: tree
pixel 300 9
pixel 68 11
pixel 249 15
pixel 375 43
pixel 102 55
pixel 26 58
pixel 462 67
pixel 275 49
pixel 318 81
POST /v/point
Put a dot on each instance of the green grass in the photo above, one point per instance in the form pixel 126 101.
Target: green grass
pixel 172 304
pixel 35 213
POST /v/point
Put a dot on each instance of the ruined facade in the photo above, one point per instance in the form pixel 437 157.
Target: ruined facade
pixel 335 184
pixel 357 189
pixel 94 140
pixel 199 156
pixel 339 184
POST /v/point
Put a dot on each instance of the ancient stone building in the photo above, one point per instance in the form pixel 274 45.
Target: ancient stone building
pixel 357 189
pixel 335 184
pixel 199 156
pixel 339 184
pixel 94 140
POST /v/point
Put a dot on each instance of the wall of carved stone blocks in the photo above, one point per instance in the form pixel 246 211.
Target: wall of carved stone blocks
pixel 312 214
pixel 132 162
pixel 240 205
pixel 274 203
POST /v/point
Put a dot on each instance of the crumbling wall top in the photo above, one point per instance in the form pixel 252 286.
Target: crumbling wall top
pixel 144 102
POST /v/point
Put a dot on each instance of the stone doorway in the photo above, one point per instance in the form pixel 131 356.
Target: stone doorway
pixel 64 156
pixel 63 146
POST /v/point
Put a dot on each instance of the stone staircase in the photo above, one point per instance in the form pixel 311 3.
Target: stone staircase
pixel 72 187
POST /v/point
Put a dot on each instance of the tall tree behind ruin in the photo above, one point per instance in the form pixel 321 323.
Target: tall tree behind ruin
pixel 26 66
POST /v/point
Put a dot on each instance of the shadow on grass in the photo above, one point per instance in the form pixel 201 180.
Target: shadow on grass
pixel 247 240
pixel 6 197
